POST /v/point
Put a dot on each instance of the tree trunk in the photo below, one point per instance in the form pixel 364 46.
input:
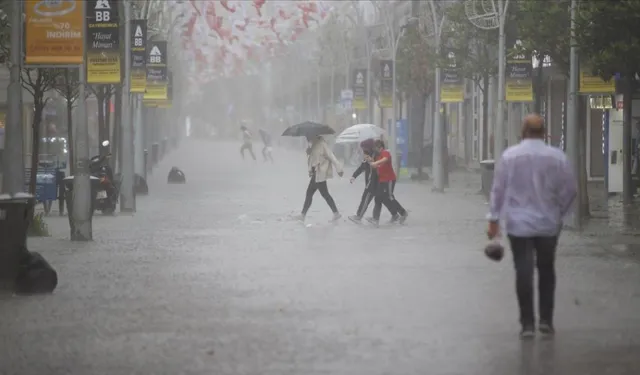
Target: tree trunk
pixel 485 116
pixel 417 113
pixel 72 160
pixel 100 96
pixel 582 159
pixel 538 89
pixel 627 191
pixel 107 115
pixel 38 103
pixel 445 144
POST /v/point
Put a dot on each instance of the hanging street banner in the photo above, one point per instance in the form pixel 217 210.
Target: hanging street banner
pixel 103 42
pixel 359 87
pixel 590 84
pixel 163 103
pixel 452 88
pixel 53 32
pixel 519 83
pixel 386 84
pixel 138 56
pixel 156 88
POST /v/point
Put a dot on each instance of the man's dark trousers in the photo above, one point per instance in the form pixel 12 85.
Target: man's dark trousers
pixel 530 252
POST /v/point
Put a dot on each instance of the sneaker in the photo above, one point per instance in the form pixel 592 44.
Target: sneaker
pixel 394 218
pixel 373 221
pixel 336 216
pixel 528 332
pixel 403 218
pixel 300 217
pixel 546 328
pixel 355 218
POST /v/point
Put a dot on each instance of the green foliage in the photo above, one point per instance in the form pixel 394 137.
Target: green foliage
pixel 415 63
pixel 544 28
pixel 475 48
pixel 606 33
pixel 38 227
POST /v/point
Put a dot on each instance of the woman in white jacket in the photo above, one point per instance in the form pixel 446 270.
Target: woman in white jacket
pixel 321 162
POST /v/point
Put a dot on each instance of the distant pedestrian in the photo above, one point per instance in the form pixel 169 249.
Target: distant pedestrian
pixel 246 142
pixel 321 162
pixel 267 149
pixel 533 189
pixel 383 164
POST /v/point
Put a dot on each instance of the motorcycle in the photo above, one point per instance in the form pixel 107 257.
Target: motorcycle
pixel 108 191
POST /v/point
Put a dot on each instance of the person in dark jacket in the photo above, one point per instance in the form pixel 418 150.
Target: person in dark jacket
pixel 371 180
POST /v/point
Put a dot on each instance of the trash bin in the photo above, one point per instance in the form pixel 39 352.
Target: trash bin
pixel 487 167
pixel 15 214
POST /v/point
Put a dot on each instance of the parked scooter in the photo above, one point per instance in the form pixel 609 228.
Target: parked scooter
pixel 108 190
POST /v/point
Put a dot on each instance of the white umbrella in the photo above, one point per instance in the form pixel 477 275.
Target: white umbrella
pixel 359 133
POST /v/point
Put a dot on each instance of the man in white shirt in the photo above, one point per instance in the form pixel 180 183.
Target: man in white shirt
pixel 533 189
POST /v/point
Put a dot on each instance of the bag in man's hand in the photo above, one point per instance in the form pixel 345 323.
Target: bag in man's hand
pixel 494 250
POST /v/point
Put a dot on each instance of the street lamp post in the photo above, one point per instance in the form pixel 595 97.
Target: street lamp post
pixel 393 140
pixel 13 161
pixel 437 167
pixel 493 16
pixel 127 192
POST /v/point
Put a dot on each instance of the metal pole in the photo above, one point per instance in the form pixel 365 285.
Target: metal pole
pixel 138 137
pixel 498 136
pixel 573 140
pixel 369 106
pixel 437 167
pixel 392 131
pixel 13 160
pixel 127 193
pixel 82 197
pixel 318 101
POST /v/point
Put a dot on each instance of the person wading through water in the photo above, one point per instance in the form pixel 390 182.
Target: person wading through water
pixel 371 180
pixel 533 188
pixel 246 142
pixel 386 186
pixel 321 162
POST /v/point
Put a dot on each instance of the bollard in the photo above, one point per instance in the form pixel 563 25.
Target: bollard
pixel 487 167
pixel 155 148
pixel 60 175
pixel 15 212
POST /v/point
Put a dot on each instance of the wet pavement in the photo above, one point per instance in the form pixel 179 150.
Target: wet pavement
pixel 212 277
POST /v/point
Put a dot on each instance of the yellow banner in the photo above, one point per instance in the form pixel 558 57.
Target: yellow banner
pixel 158 103
pixel 590 84
pixel 53 32
pixel 452 93
pixel 103 68
pixel 359 103
pixel 156 91
pixel 518 90
pixel 386 101
pixel 138 80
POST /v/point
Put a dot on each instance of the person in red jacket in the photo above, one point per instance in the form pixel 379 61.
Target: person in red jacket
pixel 386 185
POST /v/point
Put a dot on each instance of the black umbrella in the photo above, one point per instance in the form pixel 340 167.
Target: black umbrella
pixel 308 129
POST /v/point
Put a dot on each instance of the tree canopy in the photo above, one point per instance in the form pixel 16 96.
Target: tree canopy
pixel 415 63
pixel 474 48
pixel 606 33
pixel 544 28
